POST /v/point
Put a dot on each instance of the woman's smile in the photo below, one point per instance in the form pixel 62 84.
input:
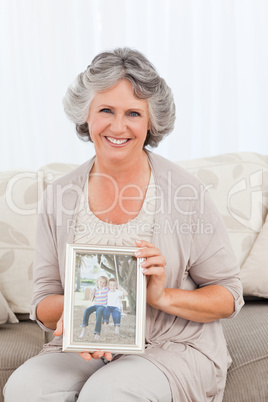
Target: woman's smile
pixel 117 141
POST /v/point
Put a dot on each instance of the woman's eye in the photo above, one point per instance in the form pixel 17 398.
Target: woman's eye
pixel 134 114
pixel 106 110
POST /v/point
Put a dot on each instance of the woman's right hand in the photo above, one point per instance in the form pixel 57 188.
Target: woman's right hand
pixel 98 354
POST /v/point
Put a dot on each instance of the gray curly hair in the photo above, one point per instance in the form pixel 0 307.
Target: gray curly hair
pixel 106 70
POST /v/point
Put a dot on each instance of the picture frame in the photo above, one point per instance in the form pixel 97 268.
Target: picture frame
pixel 86 306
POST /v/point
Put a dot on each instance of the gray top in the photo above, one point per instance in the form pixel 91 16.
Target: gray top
pixel 190 234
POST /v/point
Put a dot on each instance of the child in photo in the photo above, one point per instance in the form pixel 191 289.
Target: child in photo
pixel 113 305
pixel 100 297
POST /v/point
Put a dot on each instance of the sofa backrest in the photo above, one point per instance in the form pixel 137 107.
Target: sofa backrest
pixel 238 184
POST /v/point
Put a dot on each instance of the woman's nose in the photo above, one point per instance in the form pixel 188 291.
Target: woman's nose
pixel 118 124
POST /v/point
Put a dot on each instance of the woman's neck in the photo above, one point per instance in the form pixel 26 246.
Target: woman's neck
pixel 131 170
pixel 116 193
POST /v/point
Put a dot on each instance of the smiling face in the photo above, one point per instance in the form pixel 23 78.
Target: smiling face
pixel 102 283
pixel 118 123
pixel 112 286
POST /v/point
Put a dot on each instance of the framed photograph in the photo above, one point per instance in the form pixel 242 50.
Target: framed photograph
pixel 104 300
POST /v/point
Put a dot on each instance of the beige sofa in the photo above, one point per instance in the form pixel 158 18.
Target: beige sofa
pixel 238 184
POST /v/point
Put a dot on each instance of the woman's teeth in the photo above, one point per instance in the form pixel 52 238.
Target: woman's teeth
pixel 118 142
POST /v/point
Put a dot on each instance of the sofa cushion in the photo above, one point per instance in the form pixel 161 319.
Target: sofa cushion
pixel 246 337
pixel 20 192
pixel 238 185
pixel 18 204
pixel 6 315
pixel 254 272
pixel 18 343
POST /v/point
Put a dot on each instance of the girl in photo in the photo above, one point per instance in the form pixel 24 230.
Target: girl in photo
pixel 99 295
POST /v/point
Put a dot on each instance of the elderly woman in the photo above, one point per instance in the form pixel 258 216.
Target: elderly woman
pixel 122 105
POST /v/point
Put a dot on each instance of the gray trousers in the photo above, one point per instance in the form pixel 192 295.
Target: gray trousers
pixel 66 377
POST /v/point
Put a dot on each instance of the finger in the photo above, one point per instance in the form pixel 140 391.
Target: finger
pixel 108 356
pixel 85 355
pixel 158 261
pixel 156 271
pixel 143 243
pixel 97 354
pixel 147 252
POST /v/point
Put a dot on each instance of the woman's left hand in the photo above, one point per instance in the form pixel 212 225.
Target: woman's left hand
pixel 96 355
pixel 154 269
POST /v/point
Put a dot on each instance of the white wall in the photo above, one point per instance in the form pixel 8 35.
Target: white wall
pixel 212 53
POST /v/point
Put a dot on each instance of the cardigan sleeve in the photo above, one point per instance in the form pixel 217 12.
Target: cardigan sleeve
pixel 46 275
pixel 212 259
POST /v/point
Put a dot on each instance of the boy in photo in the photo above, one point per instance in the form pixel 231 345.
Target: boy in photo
pixel 114 304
